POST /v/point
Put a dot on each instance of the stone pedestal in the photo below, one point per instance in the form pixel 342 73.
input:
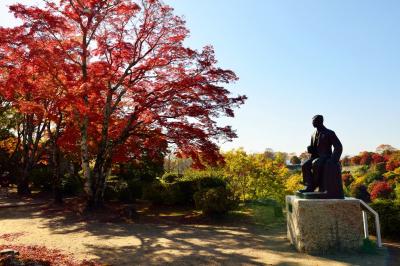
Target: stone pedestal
pixel 318 226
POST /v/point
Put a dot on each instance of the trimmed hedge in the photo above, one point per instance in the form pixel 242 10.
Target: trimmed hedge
pixel 169 177
pixel 72 185
pixel 211 201
pixel 41 178
pixel 198 190
pixel 121 190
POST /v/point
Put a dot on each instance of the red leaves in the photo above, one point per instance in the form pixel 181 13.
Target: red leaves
pixel 122 65
pixel 12 236
pixel 28 107
pixel 41 253
pixel 381 190
pixel 52 256
pixel 392 164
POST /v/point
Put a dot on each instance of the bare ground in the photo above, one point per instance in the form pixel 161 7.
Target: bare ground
pixel 161 243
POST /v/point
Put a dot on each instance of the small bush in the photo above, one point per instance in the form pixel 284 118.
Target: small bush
pixel 178 193
pixel 174 195
pixel 182 190
pixel 217 200
pixel 360 191
pixel 154 192
pixel 117 190
pixel 187 189
pixel 397 193
pixel 369 246
pixel 41 178
pixel 71 185
pixel 205 179
pixel 135 187
pixel 380 168
pixel 373 176
pixel 169 177
pixel 210 182
pixel 347 178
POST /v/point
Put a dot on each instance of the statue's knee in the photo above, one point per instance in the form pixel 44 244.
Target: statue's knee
pixel 306 166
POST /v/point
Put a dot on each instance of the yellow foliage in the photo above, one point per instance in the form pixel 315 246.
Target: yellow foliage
pixel 8 144
pixel 255 176
pixel 294 183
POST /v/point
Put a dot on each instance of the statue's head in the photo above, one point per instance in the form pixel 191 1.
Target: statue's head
pixel 318 121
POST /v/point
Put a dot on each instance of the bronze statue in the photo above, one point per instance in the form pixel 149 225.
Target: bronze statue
pixel 323 170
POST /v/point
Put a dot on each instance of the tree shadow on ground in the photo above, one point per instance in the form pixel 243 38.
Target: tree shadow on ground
pixel 164 241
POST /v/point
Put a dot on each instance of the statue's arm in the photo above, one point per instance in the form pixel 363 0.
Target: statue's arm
pixel 337 147
pixel 310 149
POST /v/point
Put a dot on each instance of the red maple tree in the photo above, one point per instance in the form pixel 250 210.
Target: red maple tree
pixel 122 79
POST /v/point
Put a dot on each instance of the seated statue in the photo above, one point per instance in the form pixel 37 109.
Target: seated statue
pixel 323 170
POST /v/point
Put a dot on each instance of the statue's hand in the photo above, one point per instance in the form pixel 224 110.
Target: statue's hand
pixel 333 160
pixel 310 149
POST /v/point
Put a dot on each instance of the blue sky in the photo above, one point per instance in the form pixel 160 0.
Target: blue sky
pixel 297 58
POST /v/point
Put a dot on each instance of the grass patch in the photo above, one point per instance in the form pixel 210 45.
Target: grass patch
pixel 258 214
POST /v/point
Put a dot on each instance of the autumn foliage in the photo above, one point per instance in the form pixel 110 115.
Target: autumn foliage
pixel 381 190
pixel 110 81
pixel 385 154
pixel 373 175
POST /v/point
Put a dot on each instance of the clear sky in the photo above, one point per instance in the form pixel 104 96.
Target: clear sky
pixel 298 58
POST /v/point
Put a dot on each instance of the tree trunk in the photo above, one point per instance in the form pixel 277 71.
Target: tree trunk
pixel 23 182
pixel 101 171
pixel 103 160
pixel 57 189
pixel 23 187
pixel 89 178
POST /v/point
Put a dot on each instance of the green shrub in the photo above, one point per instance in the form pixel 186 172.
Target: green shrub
pixel 210 182
pixel 173 195
pixel 369 246
pixel 135 187
pixel 360 191
pixel 169 177
pixel 146 169
pixel 217 200
pixel 117 190
pixel 187 189
pixel 380 168
pixel 168 194
pixel 389 216
pixel 41 178
pixel 205 179
pixel 71 185
pixel 154 192
pixel 182 190
pixel 347 178
pixel 373 176
pixel 397 193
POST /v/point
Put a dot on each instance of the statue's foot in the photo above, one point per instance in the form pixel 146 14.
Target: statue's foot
pixel 306 190
pixel 301 193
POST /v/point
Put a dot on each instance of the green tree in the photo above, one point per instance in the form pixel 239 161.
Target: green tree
pixel 295 160
pixel 255 176
pixel 238 171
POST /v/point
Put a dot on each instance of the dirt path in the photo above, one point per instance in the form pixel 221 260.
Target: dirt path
pixel 394 253
pixel 162 244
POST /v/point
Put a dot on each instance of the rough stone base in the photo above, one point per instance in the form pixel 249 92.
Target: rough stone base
pixel 318 226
